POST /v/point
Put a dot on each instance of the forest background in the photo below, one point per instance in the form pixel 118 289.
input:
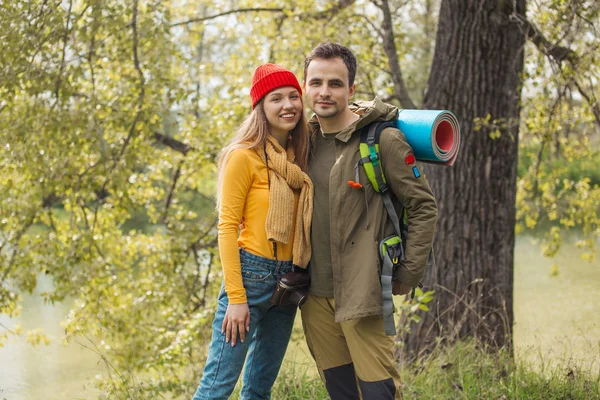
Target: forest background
pixel 113 114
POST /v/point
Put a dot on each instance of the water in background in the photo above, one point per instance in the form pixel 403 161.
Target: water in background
pixel 53 372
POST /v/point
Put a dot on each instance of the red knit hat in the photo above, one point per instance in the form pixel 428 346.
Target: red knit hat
pixel 268 77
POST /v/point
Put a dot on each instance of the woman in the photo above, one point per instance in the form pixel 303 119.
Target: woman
pixel 262 185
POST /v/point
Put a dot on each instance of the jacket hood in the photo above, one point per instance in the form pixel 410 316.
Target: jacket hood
pixel 368 111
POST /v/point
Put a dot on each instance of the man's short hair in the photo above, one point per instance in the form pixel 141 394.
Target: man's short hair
pixel 327 51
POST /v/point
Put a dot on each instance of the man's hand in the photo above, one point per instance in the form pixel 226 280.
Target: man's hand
pixel 237 319
pixel 399 288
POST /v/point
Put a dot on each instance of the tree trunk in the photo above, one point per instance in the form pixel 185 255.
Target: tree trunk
pixel 476 72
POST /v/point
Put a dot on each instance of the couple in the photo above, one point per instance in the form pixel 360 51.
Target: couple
pixel 266 178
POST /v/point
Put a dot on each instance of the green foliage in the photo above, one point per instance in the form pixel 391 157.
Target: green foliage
pixel 112 115
pixel 410 310
pixel 91 192
pixel 559 179
pixel 34 337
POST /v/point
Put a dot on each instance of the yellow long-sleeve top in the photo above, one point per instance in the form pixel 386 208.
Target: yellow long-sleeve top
pixel 245 197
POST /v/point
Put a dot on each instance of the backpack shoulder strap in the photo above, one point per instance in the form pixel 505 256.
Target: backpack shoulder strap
pixel 369 153
pixel 371 162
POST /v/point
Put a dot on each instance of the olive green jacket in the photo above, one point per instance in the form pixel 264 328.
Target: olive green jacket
pixel 356 228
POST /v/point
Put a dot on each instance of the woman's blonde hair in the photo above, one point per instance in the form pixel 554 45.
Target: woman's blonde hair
pixel 253 134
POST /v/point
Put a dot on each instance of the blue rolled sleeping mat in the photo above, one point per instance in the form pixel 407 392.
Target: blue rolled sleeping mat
pixel 434 135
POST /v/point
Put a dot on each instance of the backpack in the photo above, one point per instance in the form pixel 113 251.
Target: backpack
pixel 391 248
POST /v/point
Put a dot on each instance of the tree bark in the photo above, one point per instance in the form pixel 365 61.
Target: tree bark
pixel 389 47
pixel 476 72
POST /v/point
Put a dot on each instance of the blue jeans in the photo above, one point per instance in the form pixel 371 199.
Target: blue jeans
pixel 270 331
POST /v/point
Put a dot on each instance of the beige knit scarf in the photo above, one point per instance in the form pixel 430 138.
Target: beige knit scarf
pixel 285 176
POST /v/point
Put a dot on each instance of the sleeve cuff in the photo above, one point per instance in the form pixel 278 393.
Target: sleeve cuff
pixel 403 275
pixel 239 297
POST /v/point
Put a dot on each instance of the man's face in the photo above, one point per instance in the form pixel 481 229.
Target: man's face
pixel 326 86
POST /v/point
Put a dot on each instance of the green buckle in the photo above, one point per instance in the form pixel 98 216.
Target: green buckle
pixel 393 240
pixel 373 155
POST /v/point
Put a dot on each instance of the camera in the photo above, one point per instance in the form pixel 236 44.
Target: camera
pixel 292 289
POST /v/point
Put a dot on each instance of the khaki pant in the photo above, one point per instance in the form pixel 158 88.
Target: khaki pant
pixel 354 357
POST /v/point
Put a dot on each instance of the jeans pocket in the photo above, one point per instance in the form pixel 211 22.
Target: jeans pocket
pixel 253 273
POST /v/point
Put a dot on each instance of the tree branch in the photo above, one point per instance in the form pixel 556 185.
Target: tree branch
pixel 590 23
pixel 317 15
pixel 172 143
pixel 372 25
pixel 239 10
pixel 140 105
pixel 279 24
pixel 142 82
pixel 592 101
pixel 52 199
pixel 7 328
pixel 389 47
pixel 64 52
pixel 211 227
pixel 330 12
pixel 171 192
pixel 557 54
pixel 20 234
pixel 206 279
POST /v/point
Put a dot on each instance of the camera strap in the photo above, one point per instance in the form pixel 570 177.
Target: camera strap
pixel 269 185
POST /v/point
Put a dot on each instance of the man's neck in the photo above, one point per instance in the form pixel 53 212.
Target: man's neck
pixel 337 123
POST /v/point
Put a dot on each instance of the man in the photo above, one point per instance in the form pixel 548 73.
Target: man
pixel 342 317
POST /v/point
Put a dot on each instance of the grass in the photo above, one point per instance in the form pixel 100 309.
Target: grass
pixel 296 382
pixel 467 371
pixel 556 315
pixel 557 347
pixel 463 371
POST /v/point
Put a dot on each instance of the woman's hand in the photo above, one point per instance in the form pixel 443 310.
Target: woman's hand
pixel 237 319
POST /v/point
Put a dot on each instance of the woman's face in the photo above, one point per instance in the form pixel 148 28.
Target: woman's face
pixel 283 108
